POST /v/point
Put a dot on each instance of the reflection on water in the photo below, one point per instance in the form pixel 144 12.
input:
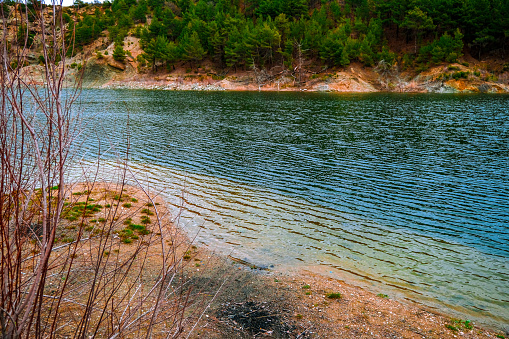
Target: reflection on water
pixel 409 193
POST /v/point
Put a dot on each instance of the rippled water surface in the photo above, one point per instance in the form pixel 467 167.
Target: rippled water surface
pixel 409 193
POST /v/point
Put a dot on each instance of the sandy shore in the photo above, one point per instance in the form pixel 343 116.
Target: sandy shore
pixel 261 303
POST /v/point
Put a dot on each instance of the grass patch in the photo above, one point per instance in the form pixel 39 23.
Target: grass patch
pixel 452 328
pixel 132 232
pixel 306 287
pixel 120 197
pixel 146 220
pixel 80 209
pixel 81 193
pixel 127 205
pixel 147 211
pixel 134 200
pixel 140 229
pixel 333 295
pixel 381 295
pixel 126 235
pixel 467 324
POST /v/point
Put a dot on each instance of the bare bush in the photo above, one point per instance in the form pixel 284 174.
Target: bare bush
pixel 390 77
pixel 74 261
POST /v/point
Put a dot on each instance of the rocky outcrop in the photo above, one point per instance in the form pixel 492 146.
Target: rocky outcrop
pixel 97 72
pixel 116 64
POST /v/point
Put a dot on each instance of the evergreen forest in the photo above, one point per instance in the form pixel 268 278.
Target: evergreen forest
pixel 242 34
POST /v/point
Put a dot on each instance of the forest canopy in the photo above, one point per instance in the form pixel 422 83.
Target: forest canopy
pixel 265 33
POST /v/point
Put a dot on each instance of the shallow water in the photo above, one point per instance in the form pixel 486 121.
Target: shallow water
pixel 409 193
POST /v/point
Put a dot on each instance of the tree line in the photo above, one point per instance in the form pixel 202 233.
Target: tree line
pixel 268 33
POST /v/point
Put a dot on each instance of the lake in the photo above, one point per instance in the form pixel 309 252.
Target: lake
pixel 407 195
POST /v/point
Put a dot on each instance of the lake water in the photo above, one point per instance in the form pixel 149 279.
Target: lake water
pixel 408 194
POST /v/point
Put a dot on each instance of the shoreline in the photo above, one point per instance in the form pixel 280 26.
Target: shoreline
pixel 436 88
pixel 358 312
pixel 105 73
pixel 309 303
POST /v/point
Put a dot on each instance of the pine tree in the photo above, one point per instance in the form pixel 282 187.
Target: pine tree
pixel 419 22
pixel 192 49
pixel 118 52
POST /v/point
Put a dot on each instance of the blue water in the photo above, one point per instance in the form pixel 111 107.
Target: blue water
pixel 408 192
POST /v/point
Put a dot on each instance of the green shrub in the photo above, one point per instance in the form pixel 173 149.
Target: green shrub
pixel 460 75
pixel 491 78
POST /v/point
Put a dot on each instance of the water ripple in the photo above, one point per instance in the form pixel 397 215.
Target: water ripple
pixel 409 192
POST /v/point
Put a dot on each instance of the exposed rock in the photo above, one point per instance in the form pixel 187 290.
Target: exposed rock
pixel 96 73
pixel 115 64
pixel 484 88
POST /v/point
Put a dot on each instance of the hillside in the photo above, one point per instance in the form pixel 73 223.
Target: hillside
pixel 353 45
